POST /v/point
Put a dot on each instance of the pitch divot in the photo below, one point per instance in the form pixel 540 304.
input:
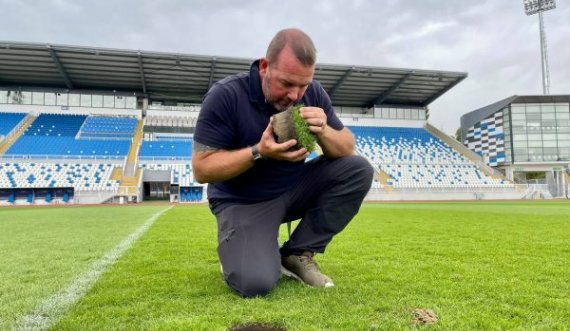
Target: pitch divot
pixel 257 327
pixel 424 316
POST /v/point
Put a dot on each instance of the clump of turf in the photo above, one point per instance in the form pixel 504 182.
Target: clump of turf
pixel 305 138
pixel 289 124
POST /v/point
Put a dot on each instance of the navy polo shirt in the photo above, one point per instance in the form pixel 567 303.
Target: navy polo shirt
pixel 233 116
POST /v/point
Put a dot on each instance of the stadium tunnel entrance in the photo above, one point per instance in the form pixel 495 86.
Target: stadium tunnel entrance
pixel 159 185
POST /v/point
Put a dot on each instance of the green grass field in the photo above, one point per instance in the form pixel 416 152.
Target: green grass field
pixel 477 265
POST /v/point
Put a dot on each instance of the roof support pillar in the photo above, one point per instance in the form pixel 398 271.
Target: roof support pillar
pixel 60 67
pixel 141 71
pixel 212 71
pixel 380 99
pixel 341 81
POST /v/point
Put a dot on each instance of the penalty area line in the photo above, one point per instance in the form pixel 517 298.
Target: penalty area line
pixel 53 308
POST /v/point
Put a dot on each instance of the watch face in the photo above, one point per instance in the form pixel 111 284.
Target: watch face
pixel 255 153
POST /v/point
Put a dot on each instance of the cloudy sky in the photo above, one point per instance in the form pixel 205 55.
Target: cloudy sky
pixel 493 41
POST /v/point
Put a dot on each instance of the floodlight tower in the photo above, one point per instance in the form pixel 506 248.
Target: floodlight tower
pixel 532 7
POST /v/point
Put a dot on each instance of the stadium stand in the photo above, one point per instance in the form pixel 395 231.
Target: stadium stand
pixel 170 121
pixel 54 136
pixel 97 127
pixel 413 158
pixel 101 127
pixel 51 175
pixel 8 122
pixel 44 182
pixel 163 149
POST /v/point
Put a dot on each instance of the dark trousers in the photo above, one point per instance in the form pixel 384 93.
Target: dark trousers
pixel 326 198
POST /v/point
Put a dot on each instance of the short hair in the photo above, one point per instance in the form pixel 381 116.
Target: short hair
pixel 300 43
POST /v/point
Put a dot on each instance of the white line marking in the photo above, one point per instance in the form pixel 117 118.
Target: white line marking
pixel 54 307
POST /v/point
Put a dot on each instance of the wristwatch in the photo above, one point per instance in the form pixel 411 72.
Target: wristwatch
pixel 255 153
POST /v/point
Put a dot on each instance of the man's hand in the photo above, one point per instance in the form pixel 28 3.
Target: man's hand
pixel 316 118
pixel 269 148
pixel 334 143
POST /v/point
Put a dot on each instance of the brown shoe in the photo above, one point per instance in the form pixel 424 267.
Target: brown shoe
pixel 305 269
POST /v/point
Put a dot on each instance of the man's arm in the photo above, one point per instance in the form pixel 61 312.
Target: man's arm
pixel 217 165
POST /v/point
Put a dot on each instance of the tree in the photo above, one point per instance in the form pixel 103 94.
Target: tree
pixel 458 135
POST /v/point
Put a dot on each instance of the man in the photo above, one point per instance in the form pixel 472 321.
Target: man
pixel 256 183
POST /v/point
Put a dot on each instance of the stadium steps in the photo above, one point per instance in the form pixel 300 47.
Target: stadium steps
pixel 469 154
pixel 117 174
pixel 380 175
pixel 129 170
pixel 383 177
pixel 129 184
pixel 10 140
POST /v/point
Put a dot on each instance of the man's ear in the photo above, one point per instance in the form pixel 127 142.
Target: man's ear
pixel 263 65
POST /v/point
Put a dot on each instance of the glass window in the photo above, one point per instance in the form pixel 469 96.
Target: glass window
pixel 86 100
pixel 3 96
pixel 415 114
pixel 533 116
pixel 393 113
pixel 548 116
pixel 562 108
pixel 519 129
pixel 535 143
pixel 97 101
pixel 549 136
pixel 408 114
pixel 550 150
pixel 534 136
pixel 120 101
pixel 61 99
pixel 564 143
pixel 38 98
pixel 520 144
pixel 131 103
pixel 547 108
pixel 521 158
pixel 533 127
pixel 400 113
pixel 517 109
pixel 74 100
pixel 109 101
pixel 532 108
pixel 519 117
pixel 519 122
pixel 422 114
pixel 564 116
pixel 564 153
pixel 377 111
pixel 563 136
pixel 26 98
pixel 535 157
pixel 50 99
pixel 549 143
pixel 519 137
